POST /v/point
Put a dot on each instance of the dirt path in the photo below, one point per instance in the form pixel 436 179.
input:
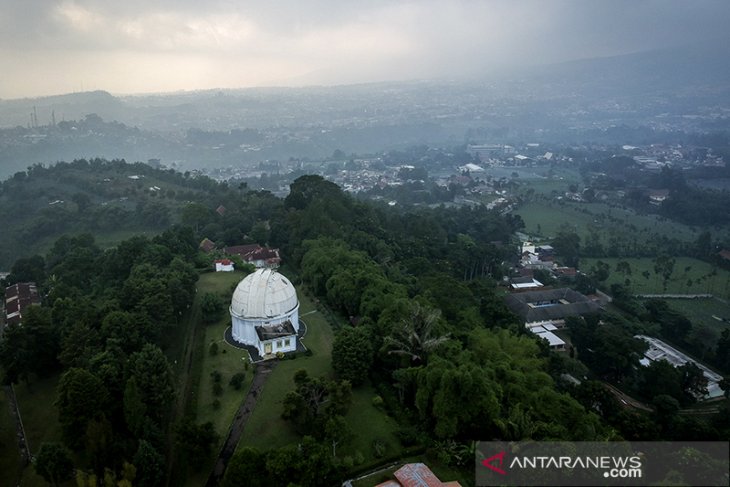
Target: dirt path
pixel 25 455
pixel 261 374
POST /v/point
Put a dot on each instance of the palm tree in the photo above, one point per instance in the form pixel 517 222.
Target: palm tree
pixel 413 337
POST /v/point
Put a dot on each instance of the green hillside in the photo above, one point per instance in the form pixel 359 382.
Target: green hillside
pixel 111 199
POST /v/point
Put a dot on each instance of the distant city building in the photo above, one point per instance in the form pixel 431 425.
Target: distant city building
pixel 18 298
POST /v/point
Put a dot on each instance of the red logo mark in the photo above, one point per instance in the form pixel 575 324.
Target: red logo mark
pixel 488 463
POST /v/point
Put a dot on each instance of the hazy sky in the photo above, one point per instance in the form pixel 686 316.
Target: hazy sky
pixel 134 46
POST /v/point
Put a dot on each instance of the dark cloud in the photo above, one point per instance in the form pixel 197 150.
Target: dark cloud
pixel 188 44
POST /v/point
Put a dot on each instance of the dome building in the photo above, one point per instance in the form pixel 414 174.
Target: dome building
pixel 265 313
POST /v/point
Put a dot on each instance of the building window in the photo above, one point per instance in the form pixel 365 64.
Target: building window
pixel 278 344
pixel 287 342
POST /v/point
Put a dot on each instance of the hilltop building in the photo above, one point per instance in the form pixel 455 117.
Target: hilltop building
pixel 255 254
pixel 265 313
pixel 550 306
pixel 18 298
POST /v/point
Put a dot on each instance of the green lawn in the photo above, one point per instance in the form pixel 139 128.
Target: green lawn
pixel 266 429
pixel 685 268
pixel 701 311
pixel 544 218
pixel 368 424
pixel 38 410
pixel 9 453
pixel 228 361
pixel 40 419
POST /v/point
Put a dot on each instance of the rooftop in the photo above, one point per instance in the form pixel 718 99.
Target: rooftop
pixel 551 304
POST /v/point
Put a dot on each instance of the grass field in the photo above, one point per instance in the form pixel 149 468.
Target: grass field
pixel 38 410
pixel 40 419
pixel 266 429
pixel 544 218
pixel 701 311
pixel 685 268
pixel 9 453
pixel 228 361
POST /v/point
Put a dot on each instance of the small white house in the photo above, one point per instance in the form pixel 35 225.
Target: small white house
pixel 223 265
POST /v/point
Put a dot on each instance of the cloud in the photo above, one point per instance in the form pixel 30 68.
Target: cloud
pixel 225 43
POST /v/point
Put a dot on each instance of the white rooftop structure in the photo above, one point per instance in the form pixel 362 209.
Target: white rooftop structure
pixel 554 340
pixel 658 350
pixel 265 313
pixel 264 294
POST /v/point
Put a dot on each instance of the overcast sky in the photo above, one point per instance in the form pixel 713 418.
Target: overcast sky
pixel 135 46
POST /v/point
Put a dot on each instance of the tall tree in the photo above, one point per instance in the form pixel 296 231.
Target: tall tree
pixel 352 354
pixel 53 463
pixel 82 397
pixel 416 336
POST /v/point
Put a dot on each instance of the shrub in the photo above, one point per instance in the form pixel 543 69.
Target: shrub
pixel 378 402
pixel 216 403
pixel 217 389
pixel 216 376
pixel 237 380
pixel 359 458
pixel 213 349
pixel 379 448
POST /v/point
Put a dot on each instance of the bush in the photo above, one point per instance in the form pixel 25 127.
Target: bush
pixel 359 458
pixel 213 349
pixel 408 436
pixel 378 402
pixel 216 376
pixel 348 462
pixel 379 448
pixel 237 380
pixel 217 389
pixel 216 403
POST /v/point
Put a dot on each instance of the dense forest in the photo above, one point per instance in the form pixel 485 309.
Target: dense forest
pixel 419 316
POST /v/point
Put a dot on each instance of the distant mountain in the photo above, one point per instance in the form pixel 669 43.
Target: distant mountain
pixel 679 71
pixel 72 106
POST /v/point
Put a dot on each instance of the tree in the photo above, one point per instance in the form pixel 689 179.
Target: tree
pixel 664 266
pixel 352 354
pixel 53 463
pixel 314 401
pixel 150 465
pixel 153 377
pixel 567 245
pixel 414 336
pixel 82 397
pixel 249 464
pixel 694 382
pixel 196 441
pixel 211 306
